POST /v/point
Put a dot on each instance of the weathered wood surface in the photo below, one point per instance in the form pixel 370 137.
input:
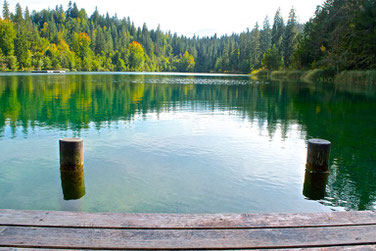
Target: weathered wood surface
pixel 74 230
pixel 182 221
pixel 88 238
pixel 336 248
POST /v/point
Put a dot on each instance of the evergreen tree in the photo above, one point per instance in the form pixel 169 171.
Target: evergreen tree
pixel 146 40
pixel 290 38
pixel 6 12
pixel 18 17
pixel 265 36
pixel 245 51
pixel 255 61
pixel 100 42
pixel 277 30
pixel 109 45
pixel 272 60
pixel 72 11
pixel 21 43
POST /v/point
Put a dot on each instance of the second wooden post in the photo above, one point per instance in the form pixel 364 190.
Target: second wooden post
pixel 317 166
pixel 318 155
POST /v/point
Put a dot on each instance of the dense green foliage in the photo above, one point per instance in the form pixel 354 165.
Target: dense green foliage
pixel 340 36
pixel 70 39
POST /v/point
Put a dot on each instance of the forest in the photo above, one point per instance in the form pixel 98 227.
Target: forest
pixel 340 36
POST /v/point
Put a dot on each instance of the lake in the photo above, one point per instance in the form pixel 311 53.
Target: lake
pixel 184 143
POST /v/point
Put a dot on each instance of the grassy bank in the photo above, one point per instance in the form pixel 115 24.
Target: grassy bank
pixel 348 77
pixel 356 77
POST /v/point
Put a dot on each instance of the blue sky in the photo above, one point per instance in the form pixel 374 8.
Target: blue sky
pixel 200 17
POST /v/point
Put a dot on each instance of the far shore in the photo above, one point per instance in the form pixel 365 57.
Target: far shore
pixel 366 77
pixel 128 73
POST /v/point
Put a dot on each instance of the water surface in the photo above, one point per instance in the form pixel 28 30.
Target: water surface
pixel 184 143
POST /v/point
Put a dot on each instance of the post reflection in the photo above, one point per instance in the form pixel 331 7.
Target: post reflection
pixel 315 185
pixel 72 183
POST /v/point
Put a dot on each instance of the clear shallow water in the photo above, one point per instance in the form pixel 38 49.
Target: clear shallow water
pixel 184 143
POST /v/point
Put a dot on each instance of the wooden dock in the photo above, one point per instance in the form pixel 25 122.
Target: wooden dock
pixel 111 231
pixel 48 71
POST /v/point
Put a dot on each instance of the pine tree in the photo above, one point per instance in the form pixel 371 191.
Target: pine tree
pixel 290 38
pixel 265 36
pixel 245 51
pixel 6 12
pixel 255 61
pixel 272 60
pixel 146 40
pixel 277 30
pixel 21 43
pixel 100 41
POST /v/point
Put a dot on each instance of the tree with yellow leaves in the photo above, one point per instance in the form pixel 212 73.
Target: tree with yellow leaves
pixel 136 58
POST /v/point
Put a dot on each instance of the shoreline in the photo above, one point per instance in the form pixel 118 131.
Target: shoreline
pixel 358 77
pixel 367 77
pixel 159 73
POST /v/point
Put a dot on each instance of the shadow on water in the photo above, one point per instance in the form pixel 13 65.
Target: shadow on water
pixel 344 115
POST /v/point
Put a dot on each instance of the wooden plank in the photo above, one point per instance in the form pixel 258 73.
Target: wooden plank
pixel 336 248
pixel 182 221
pixel 343 248
pixel 89 238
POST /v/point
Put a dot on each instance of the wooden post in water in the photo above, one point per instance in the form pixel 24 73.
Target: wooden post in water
pixel 72 168
pixel 71 154
pixel 318 155
pixel 316 174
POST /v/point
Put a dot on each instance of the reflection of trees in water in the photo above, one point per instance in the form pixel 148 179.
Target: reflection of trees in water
pixel 347 120
pixel 73 101
pixel 325 111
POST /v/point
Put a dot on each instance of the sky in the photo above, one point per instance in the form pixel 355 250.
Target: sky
pixel 200 17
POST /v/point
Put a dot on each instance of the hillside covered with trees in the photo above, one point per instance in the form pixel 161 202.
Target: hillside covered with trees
pixel 340 36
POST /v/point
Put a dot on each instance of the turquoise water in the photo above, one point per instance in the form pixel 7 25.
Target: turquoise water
pixel 184 143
